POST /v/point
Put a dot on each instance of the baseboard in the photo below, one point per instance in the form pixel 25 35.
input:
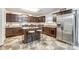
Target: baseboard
pixel 64 42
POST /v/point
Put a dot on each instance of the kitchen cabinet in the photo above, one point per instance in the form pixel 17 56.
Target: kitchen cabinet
pixel 30 18
pixel 8 17
pixel 15 18
pixel 42 19
pixel 62 12
pixel 36 19
pixel 49 31
pixel 11 17
pixel 10 32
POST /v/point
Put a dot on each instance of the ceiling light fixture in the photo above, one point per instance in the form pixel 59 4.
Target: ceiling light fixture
pixel 32 9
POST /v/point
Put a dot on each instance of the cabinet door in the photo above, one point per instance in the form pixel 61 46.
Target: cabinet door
pixel 8 17
pixel 53 32
pixel 20 31
pixel 17 31
pixel 43 19
pixel 9 32
pixel 15 18
pixel 40 19
pixel 30 19
pixel 12 18
pixel 44 30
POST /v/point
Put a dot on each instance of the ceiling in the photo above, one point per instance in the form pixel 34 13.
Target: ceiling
pixel 43 11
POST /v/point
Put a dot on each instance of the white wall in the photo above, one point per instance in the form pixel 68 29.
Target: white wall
pixel 78 23
pixel 49 18
pixel 2 25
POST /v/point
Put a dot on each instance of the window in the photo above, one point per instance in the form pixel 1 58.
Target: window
pixel 49 19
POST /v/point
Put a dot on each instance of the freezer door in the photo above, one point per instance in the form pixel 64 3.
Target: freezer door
pixel 68 28
pixel 59 34
pixel 59 30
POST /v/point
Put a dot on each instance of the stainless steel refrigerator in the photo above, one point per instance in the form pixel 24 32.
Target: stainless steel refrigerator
pixel 66 28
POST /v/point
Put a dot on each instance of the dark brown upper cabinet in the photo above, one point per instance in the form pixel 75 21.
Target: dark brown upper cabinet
pixel 63 12
pixel 15 18
pixel 36 19
pixel 30 18
pixel 11 17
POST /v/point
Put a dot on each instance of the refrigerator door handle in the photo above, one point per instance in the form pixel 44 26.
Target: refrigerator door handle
pixel 62 26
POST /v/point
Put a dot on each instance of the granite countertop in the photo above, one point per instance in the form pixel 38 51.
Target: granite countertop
pixel 29 27
pixel 12 25
pixel 52 25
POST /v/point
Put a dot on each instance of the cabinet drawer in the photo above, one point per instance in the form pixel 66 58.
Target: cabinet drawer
pixel 9 32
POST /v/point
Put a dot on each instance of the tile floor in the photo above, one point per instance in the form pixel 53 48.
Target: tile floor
pixel 45 43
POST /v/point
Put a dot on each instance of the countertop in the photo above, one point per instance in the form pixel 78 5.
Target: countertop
pixel 54 25
pixel 15 25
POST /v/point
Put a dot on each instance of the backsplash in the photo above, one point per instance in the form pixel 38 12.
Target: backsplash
pixel 16 24
pixel 12 24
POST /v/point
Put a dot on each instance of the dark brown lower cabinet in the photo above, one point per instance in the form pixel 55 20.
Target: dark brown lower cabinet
pixel 10 32
pixel 49 31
